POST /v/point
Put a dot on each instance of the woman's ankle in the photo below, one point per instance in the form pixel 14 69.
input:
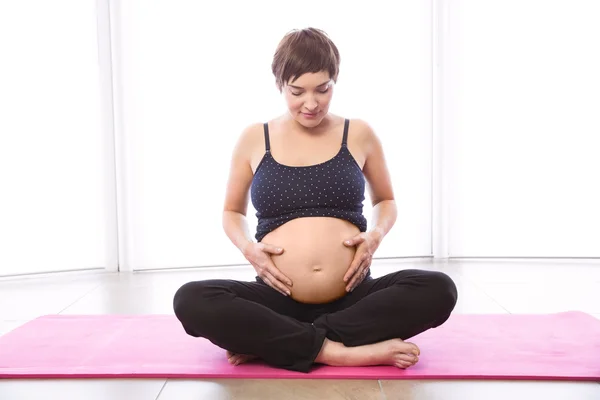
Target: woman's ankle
pixel 330 353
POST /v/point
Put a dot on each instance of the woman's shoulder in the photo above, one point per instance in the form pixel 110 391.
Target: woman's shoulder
pixel 362 138
pixel 356 126
pixel 361 126
pixel 248 141
pixel 361 133
pixel 251 134
pixel 255 131
pixel 252 130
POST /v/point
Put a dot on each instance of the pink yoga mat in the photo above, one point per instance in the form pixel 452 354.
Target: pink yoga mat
pixel 563 346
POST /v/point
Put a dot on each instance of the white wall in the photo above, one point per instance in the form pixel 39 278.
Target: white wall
pixel 194 76
pixel 56 188
pixel 522 122
pixel 516 137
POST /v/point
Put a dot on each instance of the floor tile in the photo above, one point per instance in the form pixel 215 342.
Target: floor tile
pixel 179 277
pixel 489 390
pixel 147 292
pixel 546 297
pixel 24 299
pixel 295 389
pixel 484 287
pixel 7 326
pixel 125 301
pixel 152 292
pixel 88 389
pixel 381 267
pixel 472 300
pixel 528 271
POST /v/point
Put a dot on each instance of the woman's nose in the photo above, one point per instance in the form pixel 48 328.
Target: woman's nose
pixel 311 105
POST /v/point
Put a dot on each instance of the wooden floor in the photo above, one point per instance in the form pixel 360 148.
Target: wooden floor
pixel 484 287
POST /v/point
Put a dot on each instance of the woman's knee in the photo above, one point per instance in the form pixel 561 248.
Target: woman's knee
pixel 184 297
pixel 443 291
pixel 189 305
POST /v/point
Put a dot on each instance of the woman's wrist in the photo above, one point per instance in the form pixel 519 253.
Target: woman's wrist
pixel 243 247
pixel 377 233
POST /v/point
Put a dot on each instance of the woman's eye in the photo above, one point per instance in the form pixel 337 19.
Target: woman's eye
pixel 300 93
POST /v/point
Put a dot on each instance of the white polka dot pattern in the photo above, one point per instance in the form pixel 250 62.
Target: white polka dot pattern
pixel 334 188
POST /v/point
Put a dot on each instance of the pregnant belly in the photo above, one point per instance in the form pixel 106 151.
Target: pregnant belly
pixel 314 257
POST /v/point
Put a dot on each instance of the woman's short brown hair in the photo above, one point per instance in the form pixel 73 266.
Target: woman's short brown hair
pixel 303 51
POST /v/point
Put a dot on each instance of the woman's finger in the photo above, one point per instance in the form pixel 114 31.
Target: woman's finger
pixel 354 268
pixel 357 277
pixel 267 280
pixel 363 272
pixel 277 274
pixel 277 285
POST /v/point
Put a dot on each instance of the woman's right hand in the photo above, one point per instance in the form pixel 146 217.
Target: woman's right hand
pixel 259 255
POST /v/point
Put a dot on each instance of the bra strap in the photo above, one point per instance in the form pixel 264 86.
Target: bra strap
pixel 345 139
pixel 267 142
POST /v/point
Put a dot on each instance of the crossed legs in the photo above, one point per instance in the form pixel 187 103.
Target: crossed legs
pixel 366 327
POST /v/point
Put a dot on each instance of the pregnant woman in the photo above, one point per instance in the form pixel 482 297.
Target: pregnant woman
pixel 314 300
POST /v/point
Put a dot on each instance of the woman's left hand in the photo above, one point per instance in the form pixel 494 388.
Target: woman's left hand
pixel 367 243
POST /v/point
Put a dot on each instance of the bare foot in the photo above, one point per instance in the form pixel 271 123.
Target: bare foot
pixel 237 359
pixel 390 352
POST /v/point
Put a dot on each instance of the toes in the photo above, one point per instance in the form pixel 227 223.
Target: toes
pixel 406 357
pixel 237 359
pixel 234 359
pixel 230 354
pixel 415 350
pixel 404 362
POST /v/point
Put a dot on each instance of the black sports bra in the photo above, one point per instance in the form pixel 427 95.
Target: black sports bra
pixel 334 188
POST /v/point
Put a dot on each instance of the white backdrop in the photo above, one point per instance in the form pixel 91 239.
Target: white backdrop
pixel 519 124
pixel 194 75
pixel 523 123
pixel 57 206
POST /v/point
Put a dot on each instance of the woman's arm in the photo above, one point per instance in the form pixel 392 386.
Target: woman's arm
pixel 234 219
pixel 384 206
pixel 380 186
pixel 236 228
pixel 235 223
pixel 383 218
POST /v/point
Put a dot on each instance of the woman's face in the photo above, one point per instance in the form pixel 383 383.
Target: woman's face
pixel 308 98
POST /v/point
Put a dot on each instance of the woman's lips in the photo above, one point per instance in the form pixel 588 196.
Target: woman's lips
pixel 310 115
